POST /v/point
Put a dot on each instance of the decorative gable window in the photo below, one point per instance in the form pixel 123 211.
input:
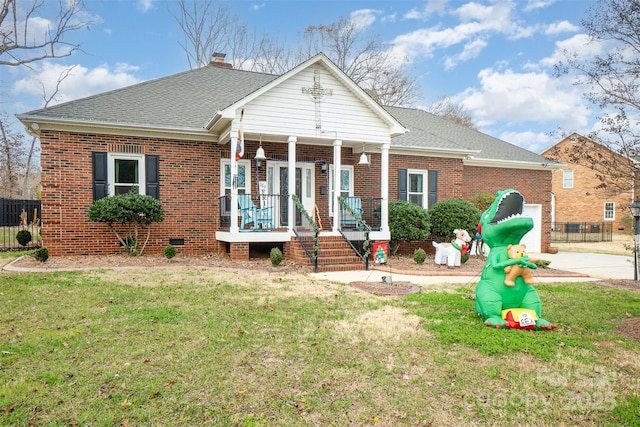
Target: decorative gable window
pixel 567 179
pixel 609 211
pixel 120 173
pixel 418 186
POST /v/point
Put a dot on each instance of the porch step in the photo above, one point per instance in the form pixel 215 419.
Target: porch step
pixel 335 255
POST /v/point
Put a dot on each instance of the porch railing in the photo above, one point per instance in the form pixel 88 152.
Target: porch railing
pixel 355 230
pixel 307 233
pixel 581 232
pixel 256 212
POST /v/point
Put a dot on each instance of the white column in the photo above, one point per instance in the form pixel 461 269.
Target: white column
pixel 384 188
pixel 234 181
pixel 337 165
pixel 292 182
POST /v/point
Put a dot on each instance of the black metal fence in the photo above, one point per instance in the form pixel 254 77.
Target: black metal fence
pixel 581 232
pixel 16 215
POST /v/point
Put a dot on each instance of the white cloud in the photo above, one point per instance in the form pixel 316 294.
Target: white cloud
pixel 537 4
pixel 532 141
pixel 561 27
pixel 363 18
pixel 578 44
pixel 431 6
pixel 144 5
pixel 513 98
pixel 257 6
pixel 471 50
pixel 80 83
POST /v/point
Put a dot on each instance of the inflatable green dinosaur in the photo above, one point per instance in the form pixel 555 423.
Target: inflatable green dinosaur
pixel 501 225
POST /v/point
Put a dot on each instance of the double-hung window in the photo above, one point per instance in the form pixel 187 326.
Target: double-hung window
pixel 346 184
pixel 116 173
pixel 609 211
pixel 126 172
pixel 567 179
pixel 416 188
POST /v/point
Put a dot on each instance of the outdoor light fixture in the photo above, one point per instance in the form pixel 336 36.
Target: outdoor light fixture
pixel 364 159
pixel 324 166
pixel 260 155
pixel 635 212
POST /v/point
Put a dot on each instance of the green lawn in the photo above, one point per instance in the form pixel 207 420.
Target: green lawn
pixel 202 347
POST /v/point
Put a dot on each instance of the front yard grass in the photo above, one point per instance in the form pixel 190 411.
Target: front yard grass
pixel 202 347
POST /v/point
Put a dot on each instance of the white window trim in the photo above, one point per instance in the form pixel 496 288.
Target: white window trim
pixel 613 210
pixel 246 164
pixel 142 179
pixel 564 180
pixel 425 185
pixel 351 171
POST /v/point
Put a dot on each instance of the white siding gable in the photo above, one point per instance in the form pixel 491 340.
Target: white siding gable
pixel 286 110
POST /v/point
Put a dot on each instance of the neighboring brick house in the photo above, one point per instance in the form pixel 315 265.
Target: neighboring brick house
pixel 579 194
pixel 172 138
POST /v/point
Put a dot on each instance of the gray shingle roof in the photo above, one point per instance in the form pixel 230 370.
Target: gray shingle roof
pixel 190 99
pixel 428 130
pixel 184 100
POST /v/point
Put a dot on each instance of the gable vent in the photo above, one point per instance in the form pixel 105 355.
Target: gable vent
pixel 125 148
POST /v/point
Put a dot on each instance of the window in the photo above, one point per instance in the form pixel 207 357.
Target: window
pixel 125 173
pixel 416 188
pixel 119 173
pixel 346 184
pixel 609 211
pixel 243 180
pixel 567 179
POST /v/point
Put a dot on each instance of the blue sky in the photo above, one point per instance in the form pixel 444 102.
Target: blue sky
pixel 494 57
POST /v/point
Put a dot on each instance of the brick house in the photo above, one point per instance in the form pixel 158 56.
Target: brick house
pixel 173 138
pixel 579 194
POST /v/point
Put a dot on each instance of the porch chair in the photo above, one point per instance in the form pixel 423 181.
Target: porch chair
pixel 259 218
pixel 355 205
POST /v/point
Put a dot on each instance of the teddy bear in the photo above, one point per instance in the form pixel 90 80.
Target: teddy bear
pixel 513 271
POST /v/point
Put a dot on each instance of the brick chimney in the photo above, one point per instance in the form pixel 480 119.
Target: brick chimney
pixel 217 60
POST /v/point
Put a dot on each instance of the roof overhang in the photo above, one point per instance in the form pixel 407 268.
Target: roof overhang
pixel 512 164
pixel 36 124
pixel 431 151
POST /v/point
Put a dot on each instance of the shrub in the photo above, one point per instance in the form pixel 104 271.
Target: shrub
pixel 482 201
pixel 169 251
pixel 276 256
pixel 407 222
pixel 419 255
pixel 133 212
pixel 41 254
pixel 447 215
pixel 23 237
pixel 464 258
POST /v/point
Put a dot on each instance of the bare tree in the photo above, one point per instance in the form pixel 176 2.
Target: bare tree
pixel 613 82
pixel 363 58
pixel 205 26
pixel 28 173
pixel 209 27
pixel 445 107
pixel 12 155
pixel 22 42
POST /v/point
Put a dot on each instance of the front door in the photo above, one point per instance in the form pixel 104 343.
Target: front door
pixel 304 190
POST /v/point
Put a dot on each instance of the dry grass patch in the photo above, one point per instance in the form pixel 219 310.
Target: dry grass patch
pixel 383 325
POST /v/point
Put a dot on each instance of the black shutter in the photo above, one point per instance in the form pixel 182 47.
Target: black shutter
pixel 99 167
pixel 402 184
pixel 152 174
pixel 433 188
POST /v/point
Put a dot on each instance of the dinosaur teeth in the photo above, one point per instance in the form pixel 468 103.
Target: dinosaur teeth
pixel 510 217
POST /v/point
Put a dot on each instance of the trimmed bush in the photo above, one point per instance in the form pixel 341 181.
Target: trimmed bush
pixel 23 237
pixel 41 254
pixel 419 255
pixel 276 256
pixel 169 251
pixel 448 215
pixel 408 222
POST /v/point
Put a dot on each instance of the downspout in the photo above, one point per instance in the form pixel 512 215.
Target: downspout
pixel 337 166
